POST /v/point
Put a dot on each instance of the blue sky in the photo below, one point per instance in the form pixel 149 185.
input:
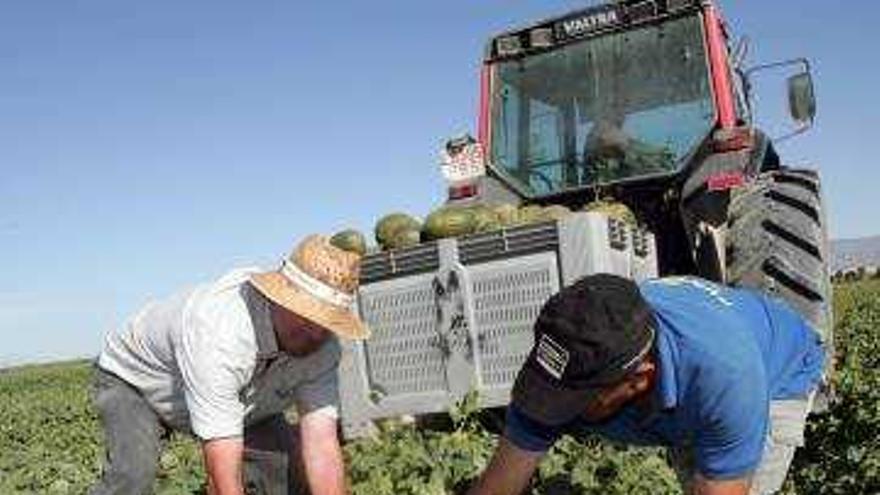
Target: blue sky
pixel 145 146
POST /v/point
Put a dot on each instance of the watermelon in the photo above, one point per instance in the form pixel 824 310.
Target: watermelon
pixel 613 209
pixel 389 225
pixel 484 219
pixel 404 238
pixel 530 214
pixel 555 212
pixel 449 221
pixel 507 214
pixel 350 240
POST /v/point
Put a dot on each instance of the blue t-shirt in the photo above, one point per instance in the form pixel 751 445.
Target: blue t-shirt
pixel 723 354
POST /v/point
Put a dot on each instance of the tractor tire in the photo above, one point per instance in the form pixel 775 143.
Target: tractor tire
pixel 777 242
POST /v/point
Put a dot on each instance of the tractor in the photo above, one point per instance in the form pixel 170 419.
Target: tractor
pixel 640 102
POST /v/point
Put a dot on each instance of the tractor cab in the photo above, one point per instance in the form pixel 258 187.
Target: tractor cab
pixel 614 94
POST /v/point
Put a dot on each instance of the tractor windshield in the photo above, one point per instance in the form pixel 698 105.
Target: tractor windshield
pixel 624 105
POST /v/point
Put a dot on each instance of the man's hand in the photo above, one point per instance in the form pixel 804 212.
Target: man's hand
pixel 509 471
pixel 223 465
pixel 703 486
pixel 321 453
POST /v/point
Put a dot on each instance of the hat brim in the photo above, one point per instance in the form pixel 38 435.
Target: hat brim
pixel 546 402
pixel 341 321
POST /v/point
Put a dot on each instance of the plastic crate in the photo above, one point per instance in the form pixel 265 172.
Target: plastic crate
pixel 457 314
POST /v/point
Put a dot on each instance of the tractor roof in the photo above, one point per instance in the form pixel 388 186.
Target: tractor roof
pixel 615 16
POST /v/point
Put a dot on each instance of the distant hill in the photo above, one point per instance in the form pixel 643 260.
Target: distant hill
pixel 853 253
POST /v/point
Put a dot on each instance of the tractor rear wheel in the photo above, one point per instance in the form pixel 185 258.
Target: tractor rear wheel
pixel 777 242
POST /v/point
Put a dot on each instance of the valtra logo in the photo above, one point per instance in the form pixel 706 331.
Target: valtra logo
pixel 579 26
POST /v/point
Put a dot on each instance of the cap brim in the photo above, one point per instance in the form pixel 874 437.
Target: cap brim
pixel 341 321
pixel 546 402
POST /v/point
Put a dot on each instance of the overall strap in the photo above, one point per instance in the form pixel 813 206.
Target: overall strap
pixel 267 343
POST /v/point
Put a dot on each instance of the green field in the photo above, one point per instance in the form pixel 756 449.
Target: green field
pixel 50 441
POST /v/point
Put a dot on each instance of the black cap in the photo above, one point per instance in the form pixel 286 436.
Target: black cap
pixel 587 336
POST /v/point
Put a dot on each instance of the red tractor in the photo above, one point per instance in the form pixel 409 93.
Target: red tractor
pixel 638 102
pixel 643 102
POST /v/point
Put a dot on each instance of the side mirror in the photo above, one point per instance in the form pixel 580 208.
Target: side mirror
pixel 801 99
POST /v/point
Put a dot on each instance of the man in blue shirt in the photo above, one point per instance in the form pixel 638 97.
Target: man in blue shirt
pixel 723 377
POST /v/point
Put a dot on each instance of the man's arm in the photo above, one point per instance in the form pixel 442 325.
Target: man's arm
pixel 509 471
pixel 703 486
pixel 321 453
pixel 223 465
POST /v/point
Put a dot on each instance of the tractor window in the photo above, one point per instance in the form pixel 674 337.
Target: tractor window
pixel 621 106
pixel 541 145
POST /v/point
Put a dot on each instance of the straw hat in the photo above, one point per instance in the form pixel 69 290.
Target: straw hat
pixel 317 281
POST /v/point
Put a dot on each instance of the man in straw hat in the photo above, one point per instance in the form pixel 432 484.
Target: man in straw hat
pixel 223 361
pixel 723 377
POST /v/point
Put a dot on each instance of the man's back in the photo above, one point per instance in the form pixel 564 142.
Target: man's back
pixel 146 351
pixel 192 355
pixel 710 325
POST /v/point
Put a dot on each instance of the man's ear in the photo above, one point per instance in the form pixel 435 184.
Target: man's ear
pixel 647 366
pixel 644 375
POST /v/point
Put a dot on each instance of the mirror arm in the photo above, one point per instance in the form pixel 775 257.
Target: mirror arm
pixel 741 51
pixel 802 61
pixel 800 130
